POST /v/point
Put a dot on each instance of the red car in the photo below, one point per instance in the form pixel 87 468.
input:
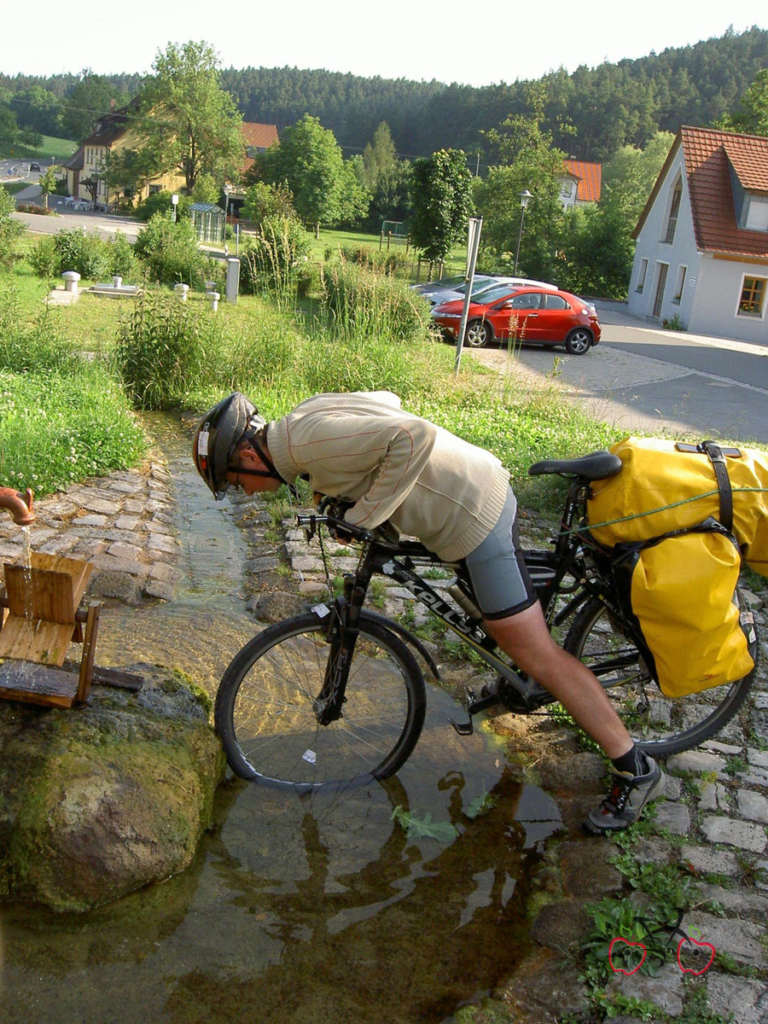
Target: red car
pixel 524 315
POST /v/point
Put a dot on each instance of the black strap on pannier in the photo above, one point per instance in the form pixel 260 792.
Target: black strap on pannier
pixel 717 458
pixel 716 454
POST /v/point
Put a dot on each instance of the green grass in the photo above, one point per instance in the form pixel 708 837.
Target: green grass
pixel 50 148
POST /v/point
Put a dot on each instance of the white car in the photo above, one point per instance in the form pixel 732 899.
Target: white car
pixel 449 289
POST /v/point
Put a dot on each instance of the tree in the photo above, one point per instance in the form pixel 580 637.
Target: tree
pixel 47 182
pixel 265 202
pixel 355 195
pixel 379 156
pixel 309 162
pixel 186 120
pixel 441 193
pixel 37 109
pixel 530 162
pixel 205 190
pixel 92 98
pixel 751 115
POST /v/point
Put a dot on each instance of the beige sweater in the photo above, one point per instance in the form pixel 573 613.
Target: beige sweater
pixel 363 447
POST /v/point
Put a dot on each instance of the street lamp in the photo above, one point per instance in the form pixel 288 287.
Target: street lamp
pixel 175 204
pixel 525 198
pixel 226 201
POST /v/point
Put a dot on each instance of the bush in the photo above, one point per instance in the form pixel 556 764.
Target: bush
pixel 271 260
pixel 362 302
pixel 170 251
pixel 43 257
pixel 160 202
pixel 121 258
pixel 86 254
pixel 165 349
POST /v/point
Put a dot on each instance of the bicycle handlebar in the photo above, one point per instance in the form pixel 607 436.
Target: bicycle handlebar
pixel 311 520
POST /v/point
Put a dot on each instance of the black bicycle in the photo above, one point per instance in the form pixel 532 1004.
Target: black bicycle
pixel 336 696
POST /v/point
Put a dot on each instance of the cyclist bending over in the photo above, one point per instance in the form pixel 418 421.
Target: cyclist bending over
pixel 364 449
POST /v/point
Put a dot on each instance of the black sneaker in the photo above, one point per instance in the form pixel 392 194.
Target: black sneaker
pixel 626 800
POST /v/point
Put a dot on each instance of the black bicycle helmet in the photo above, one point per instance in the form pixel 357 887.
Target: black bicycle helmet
pixel 219 433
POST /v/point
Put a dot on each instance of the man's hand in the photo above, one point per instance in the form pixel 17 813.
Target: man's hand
pixel 335 508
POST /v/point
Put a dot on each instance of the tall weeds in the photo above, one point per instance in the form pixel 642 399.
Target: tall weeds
pixel 165 350
pixel 358 302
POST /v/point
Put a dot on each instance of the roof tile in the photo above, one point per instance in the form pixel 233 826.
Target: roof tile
pixel 709 155
pixel 589 179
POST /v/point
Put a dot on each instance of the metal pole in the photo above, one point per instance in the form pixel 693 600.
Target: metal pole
pixel 473 244
pixel 519 236
pixel 525 198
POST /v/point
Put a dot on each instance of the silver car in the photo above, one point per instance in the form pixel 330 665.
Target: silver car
pixel 451 288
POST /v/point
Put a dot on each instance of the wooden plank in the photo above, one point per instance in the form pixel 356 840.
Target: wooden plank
pixel 102 676
pixel 37 684
pixel 43 642
pixel 51 588
pixel 39 594
pixel 89 649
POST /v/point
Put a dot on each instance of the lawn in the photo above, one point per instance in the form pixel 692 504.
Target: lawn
pixel 51 148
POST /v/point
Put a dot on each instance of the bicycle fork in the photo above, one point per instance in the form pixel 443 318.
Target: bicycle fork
pixel 342 635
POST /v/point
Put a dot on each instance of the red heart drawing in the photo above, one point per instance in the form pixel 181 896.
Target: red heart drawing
pixel 622 970
pixel 690 970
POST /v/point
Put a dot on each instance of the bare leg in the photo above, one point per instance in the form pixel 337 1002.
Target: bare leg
pixel 526 639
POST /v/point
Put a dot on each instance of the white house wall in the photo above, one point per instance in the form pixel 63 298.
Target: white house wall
pixel 681 252
pixel 717 297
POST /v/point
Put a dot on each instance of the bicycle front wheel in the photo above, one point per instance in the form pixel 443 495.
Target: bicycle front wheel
pixel 659 724
pixel 265 718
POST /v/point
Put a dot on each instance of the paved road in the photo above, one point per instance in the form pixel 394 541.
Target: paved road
pixel 643 378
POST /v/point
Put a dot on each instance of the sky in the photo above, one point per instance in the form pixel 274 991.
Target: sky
pixel 499 41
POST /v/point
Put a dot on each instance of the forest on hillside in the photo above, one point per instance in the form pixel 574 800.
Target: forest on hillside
pixel 590 112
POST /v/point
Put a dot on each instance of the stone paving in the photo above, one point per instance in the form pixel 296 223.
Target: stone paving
pixel 712 821
pixel 122 524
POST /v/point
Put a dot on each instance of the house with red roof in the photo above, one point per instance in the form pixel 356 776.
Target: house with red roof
pixel 257 138
pixel 701 254
pixel 581 183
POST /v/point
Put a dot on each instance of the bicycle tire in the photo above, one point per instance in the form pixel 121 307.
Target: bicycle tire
pixel 660 725
pixel 264 716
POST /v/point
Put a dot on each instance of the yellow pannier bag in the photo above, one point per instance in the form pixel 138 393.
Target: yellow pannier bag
pixel 681 591
pixel 663 486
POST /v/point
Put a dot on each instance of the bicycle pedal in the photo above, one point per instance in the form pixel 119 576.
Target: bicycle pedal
pixel 463 728
pixel 472 704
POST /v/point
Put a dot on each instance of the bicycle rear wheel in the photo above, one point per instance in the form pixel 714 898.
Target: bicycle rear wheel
pixel 266 722
pixel 659 724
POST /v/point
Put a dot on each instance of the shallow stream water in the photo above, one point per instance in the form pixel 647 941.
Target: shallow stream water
pixel 297 909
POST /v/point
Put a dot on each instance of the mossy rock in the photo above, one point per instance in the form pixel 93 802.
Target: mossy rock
pixel 99 801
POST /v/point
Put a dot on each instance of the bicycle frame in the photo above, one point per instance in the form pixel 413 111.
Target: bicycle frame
pixel 549 571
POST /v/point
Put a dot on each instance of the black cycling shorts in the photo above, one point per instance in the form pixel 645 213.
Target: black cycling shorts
pixel 496 568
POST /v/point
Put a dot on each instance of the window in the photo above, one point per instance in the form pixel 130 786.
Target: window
pixel 154 189
pixel 674 210
pixel 529 300
pixel 641 276
pixel 554 302
pixel 757 214
pixel 680 284
pixel 752 298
